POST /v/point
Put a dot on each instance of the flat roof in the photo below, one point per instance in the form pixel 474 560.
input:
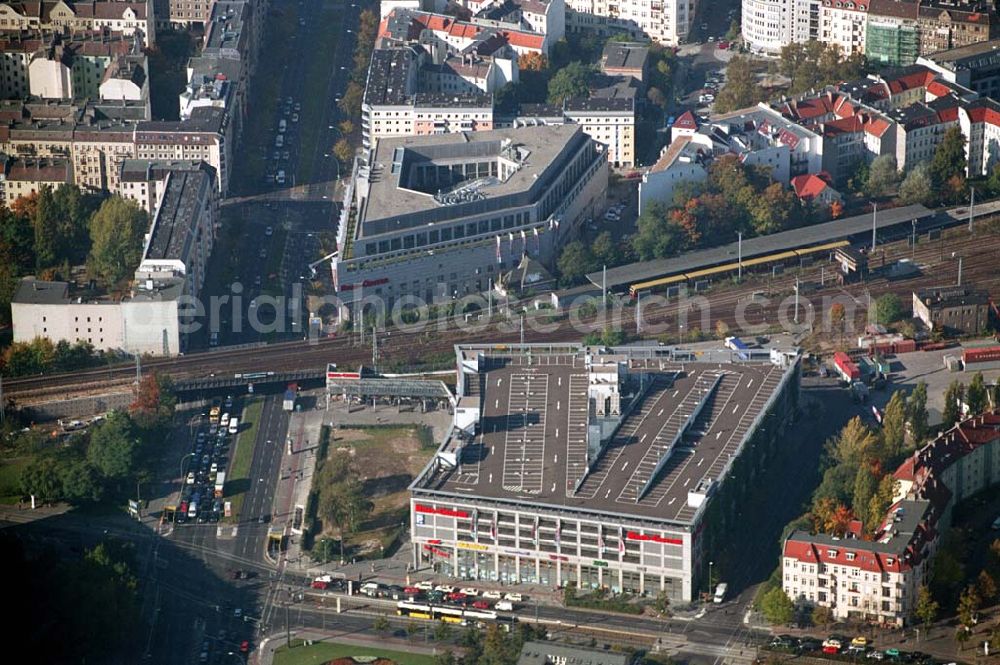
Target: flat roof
pixel 816 234
pixel 625 55
pixel 532 441
pixel 388 204
pixel 977 53
pixel 178 215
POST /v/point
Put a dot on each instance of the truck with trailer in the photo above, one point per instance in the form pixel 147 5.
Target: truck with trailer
pixel 220 483
pixel 845 367
pixel 291 394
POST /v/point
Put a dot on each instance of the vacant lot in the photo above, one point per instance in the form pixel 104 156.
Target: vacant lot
pixel 321 653
pixel 387 459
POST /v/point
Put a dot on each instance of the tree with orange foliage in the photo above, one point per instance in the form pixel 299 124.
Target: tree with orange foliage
pixel 534 62
pixel 840 520
pixel 154 401
pixel 26 206
pixel 836 209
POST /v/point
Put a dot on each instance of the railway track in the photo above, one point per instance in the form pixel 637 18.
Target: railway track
pixel 979 266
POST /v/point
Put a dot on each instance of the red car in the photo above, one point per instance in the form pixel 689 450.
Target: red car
pixel 244 646
pixel 723 45
pixel 319 584
pixel 457 597
pixel 481 605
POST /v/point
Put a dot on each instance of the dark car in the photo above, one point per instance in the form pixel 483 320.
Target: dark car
pixel 809 644
pixel 244 646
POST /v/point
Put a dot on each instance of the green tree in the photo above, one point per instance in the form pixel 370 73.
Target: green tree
pixel 865 486
pixel 344 504
pixel 917 412
pixel 883 175
pixel 952 397
pixel 927 608
pixel 350 103
pixel 976 395
pixel 917 186
pixel 821 616
pixel 655 236
pixel 343 151
pixel 949 158
pixel 773 209
pixel 41 478
pixel 894 425
pixel 113 447
pixel 447 657
pixel 986 586
pixel 777 607
pixel 968 606
pixel 853 445
pixel 741 89
pixel 575 262
pixel 116 232
pixel 442 633
pixel 46 227
pixel 79 481
pixel 879 503
pixel 605 250
pixel 570 82
pixel 381 624
pixel 888 309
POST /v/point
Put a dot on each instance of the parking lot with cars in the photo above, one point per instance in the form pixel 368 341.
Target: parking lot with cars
pixel 201 499
pixel 842 647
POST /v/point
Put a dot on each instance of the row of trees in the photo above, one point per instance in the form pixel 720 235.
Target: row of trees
pixel 976 399
pixel 354 94
pixel 857 480
pixel 53 229
pixel 73 610
pixel 40 356
pixel 106 461
pixel 734 198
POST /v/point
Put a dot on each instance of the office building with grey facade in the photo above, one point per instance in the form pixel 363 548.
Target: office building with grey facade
pixel 442 216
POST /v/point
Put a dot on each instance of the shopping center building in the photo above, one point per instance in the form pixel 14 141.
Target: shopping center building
pixel 601 467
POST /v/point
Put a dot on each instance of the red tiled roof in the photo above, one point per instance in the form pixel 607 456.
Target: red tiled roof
pixel 686 120
pixel 525 39
pixel 877 127
pixel 919 79
pixel 808 186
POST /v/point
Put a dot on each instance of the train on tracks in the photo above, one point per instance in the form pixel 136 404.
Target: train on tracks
pixel 465 616
pixel 775 259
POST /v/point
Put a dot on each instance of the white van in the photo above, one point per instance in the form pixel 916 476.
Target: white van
pixel 282 125
pixel 224 421
pixel 504 606
pixel 279 140
pixel 720 592
pixel 193 510
pixel 234 425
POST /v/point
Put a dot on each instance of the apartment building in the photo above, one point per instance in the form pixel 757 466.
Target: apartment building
pixel 60 67
pixel 26 176
pixel 405 26
pixel 184 12
pixel 609 121
pixel 953 309
pixel 202 137
pixel 152 317
pixel 976 66
pixel 133 19
pixel 393 104
pixel 893 33
pixel 144 181
pixel 877 580
pixel 665 21
pixel 845 24
pixel 948 24
pixel 759 136
pixel 899 30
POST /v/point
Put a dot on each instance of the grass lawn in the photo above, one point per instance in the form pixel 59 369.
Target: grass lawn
pixel 388 459
pixel 321 653
pixel 238 481
pixel 10 477
pixel 311 125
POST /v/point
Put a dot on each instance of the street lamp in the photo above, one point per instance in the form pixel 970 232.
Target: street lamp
pixel 710 564
pixel 184 457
